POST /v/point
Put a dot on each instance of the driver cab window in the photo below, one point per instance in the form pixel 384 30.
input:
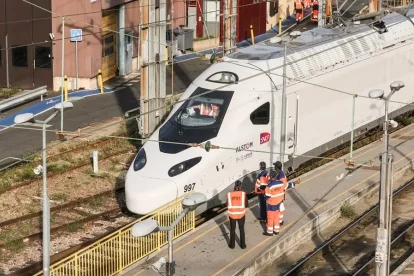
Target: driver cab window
pixel 201 111
pixel 261 115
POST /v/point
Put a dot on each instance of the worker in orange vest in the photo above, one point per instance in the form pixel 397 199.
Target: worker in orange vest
pixel 261 183
pixel 282 177
pixel 299 9
pixel 315 11
pixel 236 206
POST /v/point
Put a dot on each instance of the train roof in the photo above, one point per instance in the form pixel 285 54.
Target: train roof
pixel 321 48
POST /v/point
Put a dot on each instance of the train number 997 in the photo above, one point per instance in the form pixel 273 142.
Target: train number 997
pixel 189 187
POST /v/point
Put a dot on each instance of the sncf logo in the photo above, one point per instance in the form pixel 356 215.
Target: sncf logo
pixel 264 137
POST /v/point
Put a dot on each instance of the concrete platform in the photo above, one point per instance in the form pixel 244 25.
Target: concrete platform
pixel 205 252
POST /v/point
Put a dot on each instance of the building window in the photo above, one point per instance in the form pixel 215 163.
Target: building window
pixel 108 47
pixel 43 57
pixel 261 115
pixel 19 56
pixel 108 51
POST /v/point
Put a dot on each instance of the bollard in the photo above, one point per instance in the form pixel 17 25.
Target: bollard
pixel 100 81
pixel 280 26
pixel 166 55
pixel 65 87
pixel 252 34
pixel 95 161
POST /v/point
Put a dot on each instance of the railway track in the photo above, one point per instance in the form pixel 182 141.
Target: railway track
pixel 52 175
pixel 350 247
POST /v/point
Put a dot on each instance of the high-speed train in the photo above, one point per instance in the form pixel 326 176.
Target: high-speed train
pixel 242 109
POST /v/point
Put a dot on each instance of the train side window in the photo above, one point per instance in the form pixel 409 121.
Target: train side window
pixel 261 115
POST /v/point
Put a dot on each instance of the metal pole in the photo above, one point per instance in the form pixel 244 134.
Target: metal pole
pixel 7 61
pixel 77 68
pixel 352 126
pixel 121 40
pixel 390 191
pixel 63 69
pixel 171 264
pixel 283 120
pixel 382 246
pixel 46 211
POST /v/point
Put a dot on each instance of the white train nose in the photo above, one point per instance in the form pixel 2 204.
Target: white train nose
pixel 146 194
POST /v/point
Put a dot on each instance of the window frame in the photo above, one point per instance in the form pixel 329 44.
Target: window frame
pixel 35 58
pixel 14 47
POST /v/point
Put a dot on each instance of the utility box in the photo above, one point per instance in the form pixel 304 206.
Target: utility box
pixel 184 38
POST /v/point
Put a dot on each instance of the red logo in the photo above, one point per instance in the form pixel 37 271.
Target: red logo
pixel 264 137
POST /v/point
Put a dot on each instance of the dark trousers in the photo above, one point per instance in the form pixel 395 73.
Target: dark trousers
pixel 262 207
pixel 233 232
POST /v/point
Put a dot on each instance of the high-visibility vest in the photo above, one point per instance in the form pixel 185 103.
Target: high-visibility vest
pixel 236 204
pixel 298 6
pixel 263 180
pixel 276 192
pixel 204 110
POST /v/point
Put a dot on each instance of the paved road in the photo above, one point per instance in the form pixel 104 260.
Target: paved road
pixel 16 142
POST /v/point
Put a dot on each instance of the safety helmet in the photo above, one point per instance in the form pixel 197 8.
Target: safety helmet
pixel 262 165
pixel 238 185
pixel 278 165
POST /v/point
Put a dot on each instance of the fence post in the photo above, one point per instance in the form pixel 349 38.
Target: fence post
pixel 280 25
pixel 252 34
pixel 166 55
pixel 120 252
pixel 76 264
pixel 66 88
pixel 100 80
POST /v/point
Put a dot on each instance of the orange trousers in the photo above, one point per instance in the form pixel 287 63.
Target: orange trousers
pixel 298 15
pixel 273 221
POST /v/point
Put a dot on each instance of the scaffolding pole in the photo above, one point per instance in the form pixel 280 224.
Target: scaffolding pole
pixel 153 68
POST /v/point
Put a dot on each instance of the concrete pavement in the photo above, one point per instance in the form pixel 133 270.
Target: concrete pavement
pixel 205 252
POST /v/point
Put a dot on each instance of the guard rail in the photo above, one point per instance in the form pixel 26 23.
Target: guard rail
pixel 22 98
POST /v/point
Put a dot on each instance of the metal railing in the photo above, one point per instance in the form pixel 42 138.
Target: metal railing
pixel 113 253
pixel 22 98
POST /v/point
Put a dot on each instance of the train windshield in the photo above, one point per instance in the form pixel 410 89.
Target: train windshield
pixel 197 120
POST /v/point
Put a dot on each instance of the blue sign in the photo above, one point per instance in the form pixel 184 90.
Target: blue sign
pixel 76 35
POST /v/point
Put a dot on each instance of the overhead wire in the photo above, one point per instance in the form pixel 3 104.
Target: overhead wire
pixel 264 71
pixel 104 28
pixel 247 78
pixel 185 144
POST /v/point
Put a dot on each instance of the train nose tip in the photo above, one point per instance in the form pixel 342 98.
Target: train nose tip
pixel 145 194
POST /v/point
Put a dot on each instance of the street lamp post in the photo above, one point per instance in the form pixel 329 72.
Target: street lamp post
pixel 149 226
pixel 27 118
pixel 292 35
pixel 382 251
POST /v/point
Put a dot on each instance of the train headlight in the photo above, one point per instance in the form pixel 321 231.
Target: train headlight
pixel 141 160
pixel 183 166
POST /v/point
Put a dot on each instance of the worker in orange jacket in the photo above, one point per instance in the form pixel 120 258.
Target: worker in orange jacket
pixel 261 183
pixel 236 206
pixel 299 9
pixel 282 177
pixel 274 193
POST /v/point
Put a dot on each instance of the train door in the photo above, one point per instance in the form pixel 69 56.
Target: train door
pixel 292 121
pixel 109 45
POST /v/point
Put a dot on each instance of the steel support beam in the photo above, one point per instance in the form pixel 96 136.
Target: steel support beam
pixel 121 40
